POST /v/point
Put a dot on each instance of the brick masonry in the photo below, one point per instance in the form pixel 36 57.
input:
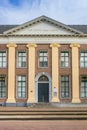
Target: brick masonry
pixel 62 71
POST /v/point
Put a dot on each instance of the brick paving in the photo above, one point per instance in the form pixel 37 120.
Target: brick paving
pixel 44 125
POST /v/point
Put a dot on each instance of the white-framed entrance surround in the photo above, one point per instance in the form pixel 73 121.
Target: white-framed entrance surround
pixel 36 85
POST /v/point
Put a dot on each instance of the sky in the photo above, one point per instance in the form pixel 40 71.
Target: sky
pixel 65 11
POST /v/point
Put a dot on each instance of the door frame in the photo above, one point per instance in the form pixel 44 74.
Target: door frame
pixel 41 86
pixel 36 85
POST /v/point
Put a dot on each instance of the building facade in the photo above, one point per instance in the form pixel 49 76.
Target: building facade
pixel 43 61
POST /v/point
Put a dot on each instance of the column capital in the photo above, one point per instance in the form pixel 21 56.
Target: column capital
pixel 31 45
pixel 75 45
pixel 55 45
pixel 11 45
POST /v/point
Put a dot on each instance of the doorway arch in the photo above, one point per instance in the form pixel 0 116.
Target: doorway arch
pixel 43 87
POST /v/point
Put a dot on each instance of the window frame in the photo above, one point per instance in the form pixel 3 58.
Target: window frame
pixel 81 86
pixel 21 51
pixel 17 87
pixel 6 58
pixel 69 88
pixel 47 58
pixel 5 86
pixel 83 51
pixel 64 58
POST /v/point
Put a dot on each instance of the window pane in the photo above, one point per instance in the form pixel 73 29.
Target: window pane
pixel 19 95
pixel 45 54
pixel 66 54
pixel 23 95
pixel 41 58
pixel 82 64
pixel 62 58
pixel 82 54
pixel 66 64
pixel 85 53
pixel 86 64
pixel 19 83
pixel 45 58
pixel 4 64
pixel 19 89
pixel 81 59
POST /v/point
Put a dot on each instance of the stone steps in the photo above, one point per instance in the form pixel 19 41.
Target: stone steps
pixel 28 113
pixel 43 111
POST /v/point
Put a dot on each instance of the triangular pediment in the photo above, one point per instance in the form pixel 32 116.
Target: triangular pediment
pixel 42 26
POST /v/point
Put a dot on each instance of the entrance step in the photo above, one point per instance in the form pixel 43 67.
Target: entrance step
pixel 45 113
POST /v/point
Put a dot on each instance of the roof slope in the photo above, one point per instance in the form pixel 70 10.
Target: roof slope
pixel 6 27
pixel 82 28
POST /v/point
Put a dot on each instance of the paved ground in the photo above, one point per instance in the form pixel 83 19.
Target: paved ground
pixel 43 125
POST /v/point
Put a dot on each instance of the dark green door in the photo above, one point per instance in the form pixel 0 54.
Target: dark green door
pixel 43 92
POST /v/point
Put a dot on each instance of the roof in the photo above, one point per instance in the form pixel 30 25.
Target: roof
pixel 82 28
pixel 73 28
pixel 6 27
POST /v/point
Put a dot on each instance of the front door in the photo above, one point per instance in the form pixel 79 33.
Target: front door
pixel 43 92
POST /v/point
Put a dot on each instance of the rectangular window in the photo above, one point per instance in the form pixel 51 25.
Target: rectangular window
pixel 65 87
pixel 84 87
pixel 43 58
pixel 64 59
pixel 2 86
pixel 22 56
pixel 3 58
pixel 21 86
pixel 83 59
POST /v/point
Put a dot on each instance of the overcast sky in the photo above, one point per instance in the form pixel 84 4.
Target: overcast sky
pixel 65 11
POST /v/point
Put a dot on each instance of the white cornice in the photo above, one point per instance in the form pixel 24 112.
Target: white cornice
pixel 43 39
pixel 43 35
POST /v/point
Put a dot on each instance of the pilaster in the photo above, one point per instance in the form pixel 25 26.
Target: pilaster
pixel 31 73
pixel 75 73
pixel 55 72
pixel 11 73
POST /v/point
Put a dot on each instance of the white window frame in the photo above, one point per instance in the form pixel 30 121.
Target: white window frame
pixel 17 87
pixel 69 87
pixel 39 60
pixel 63 51
pixel 20 51
pixel 6 57
pixel 83 51
pixel 5 87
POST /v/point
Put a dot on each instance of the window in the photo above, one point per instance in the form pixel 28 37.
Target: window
pixel 21 59
pixel 43 58
pixel 2 86
pixel 83 59
pixel 84 87
pixel 65 86
pixel 21 86
pixel 3 59
pixel 64 58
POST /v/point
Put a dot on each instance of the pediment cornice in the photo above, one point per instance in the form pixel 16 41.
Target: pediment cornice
pixel 43 19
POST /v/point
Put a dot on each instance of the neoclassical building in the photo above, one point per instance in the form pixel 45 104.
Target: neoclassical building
pixel 43 61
